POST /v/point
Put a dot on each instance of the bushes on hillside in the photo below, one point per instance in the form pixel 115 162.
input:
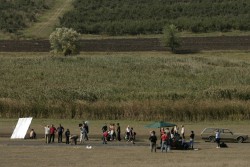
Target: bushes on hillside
pixel 149 16
pixel 16 15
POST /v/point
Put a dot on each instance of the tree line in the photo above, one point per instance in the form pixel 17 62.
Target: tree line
pixel 116 17
pixel 18 14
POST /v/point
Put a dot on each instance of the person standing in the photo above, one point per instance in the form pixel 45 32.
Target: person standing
pixel 60 131
pixel 131 136
pixel 32 134
pixel 127 133
pixel 175 130
pixel 217 138
pixel 104 128
pixel 161 133
pixel 85 131
pixel 191 143
pixel 67 135
pixel 81 133
pixel 47 134
pixel 118 130
pixel 52 134
pixel 164 139
pixel 153 140
pixel 182 131
pixel 112 131
pixel 169 140
pixel 104 137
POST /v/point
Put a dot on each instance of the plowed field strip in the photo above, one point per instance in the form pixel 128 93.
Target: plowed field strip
pixel 143 44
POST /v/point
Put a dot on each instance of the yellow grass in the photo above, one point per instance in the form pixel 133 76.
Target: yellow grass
pixel 139 156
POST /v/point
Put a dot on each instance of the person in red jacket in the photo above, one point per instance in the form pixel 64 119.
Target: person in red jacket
pixel 164 144
pixel 52 133
pixel 104 137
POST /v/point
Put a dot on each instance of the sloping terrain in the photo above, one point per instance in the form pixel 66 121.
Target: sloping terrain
pixel 48 21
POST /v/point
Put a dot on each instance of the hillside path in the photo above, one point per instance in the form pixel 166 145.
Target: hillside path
pixel 47 22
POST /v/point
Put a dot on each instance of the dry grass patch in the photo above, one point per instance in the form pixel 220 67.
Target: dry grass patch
pixel 14 156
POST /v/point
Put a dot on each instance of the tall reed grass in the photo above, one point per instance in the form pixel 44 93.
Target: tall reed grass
pixel 138 86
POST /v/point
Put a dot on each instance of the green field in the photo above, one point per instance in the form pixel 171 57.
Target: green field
pixel 139 85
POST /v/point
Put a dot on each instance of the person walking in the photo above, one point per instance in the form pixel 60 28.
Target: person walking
pixel 60 131
pixel 153 140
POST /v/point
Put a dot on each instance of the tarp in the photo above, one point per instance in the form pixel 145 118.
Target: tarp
pixel 21 128
pixel 160 124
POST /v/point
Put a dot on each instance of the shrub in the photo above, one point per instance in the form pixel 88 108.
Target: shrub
pixel 170 37
pixel 65 41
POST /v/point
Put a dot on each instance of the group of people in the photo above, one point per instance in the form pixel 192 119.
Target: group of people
pixel 111 133
pixel 114 133
pixel 168 138
pixel 171 138
pixel 50 132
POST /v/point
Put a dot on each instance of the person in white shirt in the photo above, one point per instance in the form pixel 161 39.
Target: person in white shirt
pixel 217 137
pixel 47 133
pixel 182 131
pixel 127 132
